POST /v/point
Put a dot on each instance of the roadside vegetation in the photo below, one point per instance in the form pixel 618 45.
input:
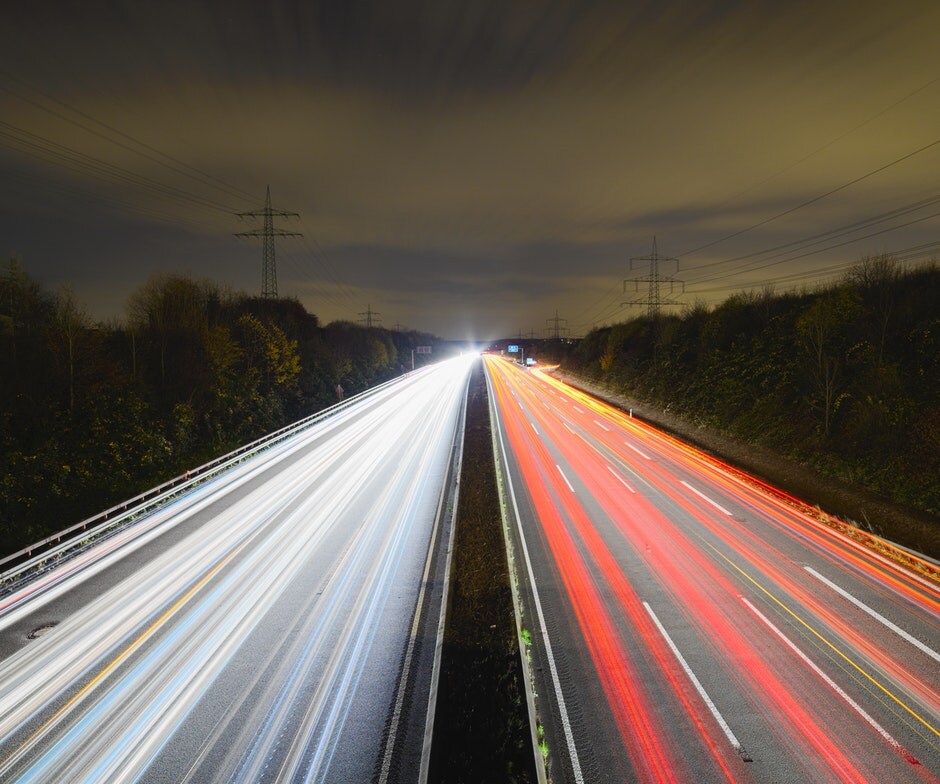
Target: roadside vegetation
pixel 93 413
pixel 844 379
pixel 481 729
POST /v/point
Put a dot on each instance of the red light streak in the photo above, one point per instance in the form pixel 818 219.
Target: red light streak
pixel 700 585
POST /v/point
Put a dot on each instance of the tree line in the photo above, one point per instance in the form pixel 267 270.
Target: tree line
pixel 845 377
pixel 93 413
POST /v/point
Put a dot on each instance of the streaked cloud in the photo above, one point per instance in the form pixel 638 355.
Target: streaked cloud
pixel 462 152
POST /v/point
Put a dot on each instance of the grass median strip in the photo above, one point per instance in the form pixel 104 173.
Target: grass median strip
pixel 481 730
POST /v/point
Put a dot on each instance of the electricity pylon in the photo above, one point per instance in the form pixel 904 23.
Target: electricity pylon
pixel 654 299
pixel 369 318
pixel 267 232
pixel 558 326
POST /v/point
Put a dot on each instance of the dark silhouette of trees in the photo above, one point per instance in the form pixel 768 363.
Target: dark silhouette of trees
pixel 93 413
pixel 70 327
pixel 826 330
pixel 846 378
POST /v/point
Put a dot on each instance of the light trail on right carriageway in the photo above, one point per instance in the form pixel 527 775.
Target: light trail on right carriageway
pixel 690 624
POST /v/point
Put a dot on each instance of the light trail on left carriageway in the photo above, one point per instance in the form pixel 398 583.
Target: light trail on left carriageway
pixel 255 629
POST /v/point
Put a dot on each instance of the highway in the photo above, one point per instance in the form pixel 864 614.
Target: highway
pixel 277 623
pixel 690 624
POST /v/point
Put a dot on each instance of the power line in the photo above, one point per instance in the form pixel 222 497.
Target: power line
pixel 815 239
pixel 902 255
pixel 605 298
pixel 818 250
pixel 301 273
pixel 175 165
pixel 36 146
pixel 68 158
pixel 326 264
pixel 603 317
pixel 75 197
pixel 917 251
pixel 608 309
pixel 840 231
pixel 829 144
pixel 811 201
pixel 315 259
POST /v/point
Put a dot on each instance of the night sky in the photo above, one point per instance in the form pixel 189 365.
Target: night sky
pixel 467 168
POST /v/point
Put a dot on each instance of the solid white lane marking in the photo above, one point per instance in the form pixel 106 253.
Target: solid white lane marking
pixel 640 452
pixel 602 425
pixel 415 633
pixel 874 614
pixel 698 686
pixel 564 477
pixel 704 497
pixel 546 642
pixel 835 687
pixel 621 479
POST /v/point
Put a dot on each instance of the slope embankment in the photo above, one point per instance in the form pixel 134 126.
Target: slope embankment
pixel 855 506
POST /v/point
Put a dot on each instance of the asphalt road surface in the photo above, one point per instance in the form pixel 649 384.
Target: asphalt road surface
pixel 689 624
pixel 278 623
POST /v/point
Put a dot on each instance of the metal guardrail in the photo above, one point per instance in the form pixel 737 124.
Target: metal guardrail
pixel 46 552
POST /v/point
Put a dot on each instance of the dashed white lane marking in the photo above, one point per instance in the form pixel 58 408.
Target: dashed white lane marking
pixel 698 687
pixel 875 614
pixel 704 497
pixel 832 684
pixel 564 477
pixel 620 479
pixel 640 452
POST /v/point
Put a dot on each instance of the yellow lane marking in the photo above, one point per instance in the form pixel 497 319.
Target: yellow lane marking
pixel 144 636
pixel 825 641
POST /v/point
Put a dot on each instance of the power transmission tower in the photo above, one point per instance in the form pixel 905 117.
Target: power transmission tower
pixel 267 232
pixel 558 326
pixel 654 299
pixel 369 318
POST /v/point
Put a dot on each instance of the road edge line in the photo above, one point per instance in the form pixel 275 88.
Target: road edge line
pixel 452 478
pixel 456 466
pixel 540 770
pixel 502 460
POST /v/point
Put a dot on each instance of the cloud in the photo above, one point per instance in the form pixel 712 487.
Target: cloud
pixel 459 151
